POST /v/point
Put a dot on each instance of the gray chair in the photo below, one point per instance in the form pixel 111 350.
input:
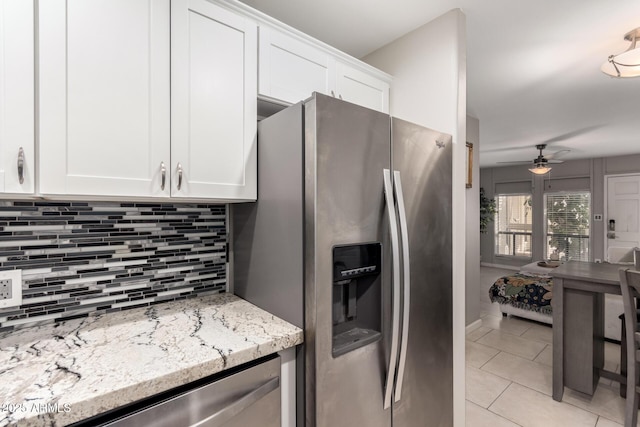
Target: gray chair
pixel 623 351
pixel 629 287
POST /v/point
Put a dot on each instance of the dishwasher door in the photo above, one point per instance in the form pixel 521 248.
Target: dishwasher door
pixel 250 397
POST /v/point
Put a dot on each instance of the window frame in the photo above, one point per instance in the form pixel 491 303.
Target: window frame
pixel 496 231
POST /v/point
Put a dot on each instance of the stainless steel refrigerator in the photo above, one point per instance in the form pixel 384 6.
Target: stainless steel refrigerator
pixel 351 240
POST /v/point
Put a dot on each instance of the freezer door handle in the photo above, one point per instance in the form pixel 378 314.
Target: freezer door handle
pixel 395 315
pixel 406 282
pixel 224 415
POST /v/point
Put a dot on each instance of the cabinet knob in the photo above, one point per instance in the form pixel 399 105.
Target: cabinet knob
pixel 179 176
pixel 21 165
pixel 163 171
pixel 333 94
pixel 340 96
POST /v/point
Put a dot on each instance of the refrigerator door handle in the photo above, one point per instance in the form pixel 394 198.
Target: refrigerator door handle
pixel 395 322
pixel 406 272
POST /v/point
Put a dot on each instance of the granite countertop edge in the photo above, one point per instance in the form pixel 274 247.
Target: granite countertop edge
pixel 84 367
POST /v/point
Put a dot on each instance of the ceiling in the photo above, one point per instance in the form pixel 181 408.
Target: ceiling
pixel 533 68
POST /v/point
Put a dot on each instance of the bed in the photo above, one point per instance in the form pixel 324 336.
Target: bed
pixel 524 294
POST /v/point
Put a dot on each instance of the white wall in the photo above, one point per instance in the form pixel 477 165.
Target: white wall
pixel 428 67
pixel 472 254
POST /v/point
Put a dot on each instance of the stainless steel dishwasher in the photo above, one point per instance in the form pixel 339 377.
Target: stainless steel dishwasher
pixel 242 398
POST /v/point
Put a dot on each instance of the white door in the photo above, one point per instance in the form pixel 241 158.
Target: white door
pixel 213 102
pixel 623 207
pixel 104 97
pixel 291 69
pixel 17 127
pixel 360 88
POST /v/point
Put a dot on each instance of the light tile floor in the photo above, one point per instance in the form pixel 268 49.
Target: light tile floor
pixel 509 376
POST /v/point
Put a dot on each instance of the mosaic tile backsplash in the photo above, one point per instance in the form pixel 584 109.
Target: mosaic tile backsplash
pixel 79 258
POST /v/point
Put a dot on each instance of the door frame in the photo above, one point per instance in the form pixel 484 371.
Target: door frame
pixel 605 219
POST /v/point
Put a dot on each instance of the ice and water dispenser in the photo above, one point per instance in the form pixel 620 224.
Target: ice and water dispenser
pixel 357 287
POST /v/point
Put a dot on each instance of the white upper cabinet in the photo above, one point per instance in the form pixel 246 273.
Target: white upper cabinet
pixel 104 97
pixel 361 88
pixel 213 102
pixel 147 98
pixel 291 69
pixel 292 66
pixel 17 106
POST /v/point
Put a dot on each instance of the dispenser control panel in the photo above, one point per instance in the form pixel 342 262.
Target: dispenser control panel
pixel 352 261
pixel 369 269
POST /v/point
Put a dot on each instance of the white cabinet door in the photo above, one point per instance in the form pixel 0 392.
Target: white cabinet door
pixel 290 69
pixel 104 97
pixel 213 102
pixel 360 88
pixel 17 125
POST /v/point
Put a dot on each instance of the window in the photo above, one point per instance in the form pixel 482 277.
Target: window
pixel 513 225
pixel 567 225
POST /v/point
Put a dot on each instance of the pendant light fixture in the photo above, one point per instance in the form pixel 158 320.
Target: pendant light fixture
pixel 627 63
pixel 540 164
pixel 540 169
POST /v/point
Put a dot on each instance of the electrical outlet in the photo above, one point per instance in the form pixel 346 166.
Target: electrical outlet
pixel 597 217
pixel 10 288
pixel 6 290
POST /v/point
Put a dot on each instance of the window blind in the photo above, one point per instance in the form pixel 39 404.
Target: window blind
pixel 567 223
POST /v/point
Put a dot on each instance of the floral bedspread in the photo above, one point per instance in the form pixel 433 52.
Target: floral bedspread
pixel 523 291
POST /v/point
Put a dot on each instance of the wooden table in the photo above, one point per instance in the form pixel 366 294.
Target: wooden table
pixel 578 324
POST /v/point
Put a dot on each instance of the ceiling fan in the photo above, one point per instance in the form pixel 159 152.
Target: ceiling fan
pixel 540 163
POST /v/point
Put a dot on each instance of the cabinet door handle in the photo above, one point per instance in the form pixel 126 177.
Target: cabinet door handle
pixel 179 176
pixel 21 165
pixel 163 171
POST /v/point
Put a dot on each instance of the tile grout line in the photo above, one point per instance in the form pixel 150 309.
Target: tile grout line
pixel 493 413
pixel 513 381
pixel 589 411
pixel 498 415
pixel 562 401
pixel 537 391
pixel 498 396
pixel 513 354
pixel 592 412
pixel 490 359
pixel 523 332
pixel 509 379
pixel 480 337
pixel 539 353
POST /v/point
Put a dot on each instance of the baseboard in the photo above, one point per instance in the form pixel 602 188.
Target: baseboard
pixel 503 266
pixel 473 326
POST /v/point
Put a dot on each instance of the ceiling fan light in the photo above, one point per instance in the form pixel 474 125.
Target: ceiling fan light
pixel 540 169
pixel 627 63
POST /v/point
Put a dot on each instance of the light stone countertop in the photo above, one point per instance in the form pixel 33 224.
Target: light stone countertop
pixel 58 374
